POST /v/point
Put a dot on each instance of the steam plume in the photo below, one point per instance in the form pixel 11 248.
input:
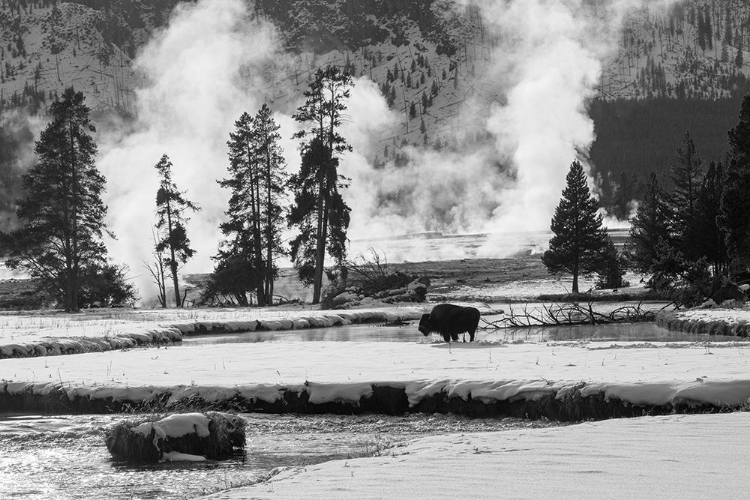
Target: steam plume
pixel 202 73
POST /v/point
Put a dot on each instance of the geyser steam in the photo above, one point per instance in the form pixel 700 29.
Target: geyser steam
pixel 208 66
pixel 201 75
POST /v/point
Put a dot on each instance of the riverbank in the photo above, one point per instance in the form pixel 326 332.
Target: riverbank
pixel 679 456
pixel 734 322
pixel 556 380
pixel 94 332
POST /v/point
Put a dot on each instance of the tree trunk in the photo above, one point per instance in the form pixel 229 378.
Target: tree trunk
pixel 269 231
pixel 258 244
pixel 173 259
pixel 74 221
pixel 255 221
pixel 320 250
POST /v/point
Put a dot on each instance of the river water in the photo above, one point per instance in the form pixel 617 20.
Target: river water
pixel 64 457
pixel 644 332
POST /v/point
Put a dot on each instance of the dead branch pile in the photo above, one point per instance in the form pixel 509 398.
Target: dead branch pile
pixel 571 314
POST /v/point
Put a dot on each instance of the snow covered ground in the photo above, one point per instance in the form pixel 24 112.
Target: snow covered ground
pixel 683 456
pixel 641 374
pixel 680 456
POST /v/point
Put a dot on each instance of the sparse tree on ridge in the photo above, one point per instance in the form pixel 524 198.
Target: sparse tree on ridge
pixel 62 217
pixel 172 238
pixel 257 182
pixel 319 211
pixel 579 237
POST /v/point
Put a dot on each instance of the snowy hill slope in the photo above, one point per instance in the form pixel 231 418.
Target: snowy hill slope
pixel 692 49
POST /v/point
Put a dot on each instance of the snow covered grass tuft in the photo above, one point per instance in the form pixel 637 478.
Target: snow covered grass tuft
pixel 211 435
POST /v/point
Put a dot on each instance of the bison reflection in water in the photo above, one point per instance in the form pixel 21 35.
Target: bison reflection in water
pixel 449 320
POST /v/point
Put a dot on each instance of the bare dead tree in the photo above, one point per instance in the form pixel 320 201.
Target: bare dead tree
pixel 156 270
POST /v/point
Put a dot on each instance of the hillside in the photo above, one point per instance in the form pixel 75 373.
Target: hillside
pixel 444 70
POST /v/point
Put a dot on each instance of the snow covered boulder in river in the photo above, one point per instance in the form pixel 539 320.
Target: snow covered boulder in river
pixel 183 436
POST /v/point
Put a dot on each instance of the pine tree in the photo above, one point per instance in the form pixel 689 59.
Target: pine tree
pixel 735 198
pixel 650 225
pixel 687 177
pixel 579 238
pixel 612 268
pixel 62 217
pixel 172 238
pixel 319 212
pixel 257 182
pixel 711 244
pixel 708 28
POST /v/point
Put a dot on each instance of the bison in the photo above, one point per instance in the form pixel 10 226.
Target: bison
pixel 450 320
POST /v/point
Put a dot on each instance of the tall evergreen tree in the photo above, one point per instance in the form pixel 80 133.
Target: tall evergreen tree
pixel 579 237
pixel 735 198
pixel 711 243
pixel 62 217
pixel 687 178
pixel 319 211
pixel 257 181
pixel 651 225
pixel 612 269
pixel 172 238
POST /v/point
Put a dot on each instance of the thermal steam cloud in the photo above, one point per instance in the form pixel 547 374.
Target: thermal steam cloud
pixel 546 66
pixel 208 68
pixel 203 72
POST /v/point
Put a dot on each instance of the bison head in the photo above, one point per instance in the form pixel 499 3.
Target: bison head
pixel 425 325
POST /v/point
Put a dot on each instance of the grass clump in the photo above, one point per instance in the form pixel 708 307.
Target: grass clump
pixel 212 435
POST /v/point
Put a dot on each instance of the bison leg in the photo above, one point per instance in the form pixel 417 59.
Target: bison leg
pixel 471 335
pixel 446 336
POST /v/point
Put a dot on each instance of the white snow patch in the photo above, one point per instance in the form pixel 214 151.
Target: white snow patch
pixel 176 456
pixel 677 456
pixel 175 426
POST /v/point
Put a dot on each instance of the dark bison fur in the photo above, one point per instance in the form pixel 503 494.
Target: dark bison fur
pixel 449 320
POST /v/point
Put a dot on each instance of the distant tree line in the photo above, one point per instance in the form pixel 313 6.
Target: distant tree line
pixel 690 235
pixel 635 138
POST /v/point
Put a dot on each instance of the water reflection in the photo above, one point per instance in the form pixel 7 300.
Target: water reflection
pixel 642 332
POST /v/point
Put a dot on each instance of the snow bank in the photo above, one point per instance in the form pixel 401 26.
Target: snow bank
pixel 714 321
pixel 680 456
pixel 393 377
pixel 148 334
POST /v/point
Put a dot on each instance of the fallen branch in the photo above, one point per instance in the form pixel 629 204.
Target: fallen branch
pixel 569 314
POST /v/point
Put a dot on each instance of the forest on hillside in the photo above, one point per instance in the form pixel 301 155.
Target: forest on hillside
pixel 637 137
